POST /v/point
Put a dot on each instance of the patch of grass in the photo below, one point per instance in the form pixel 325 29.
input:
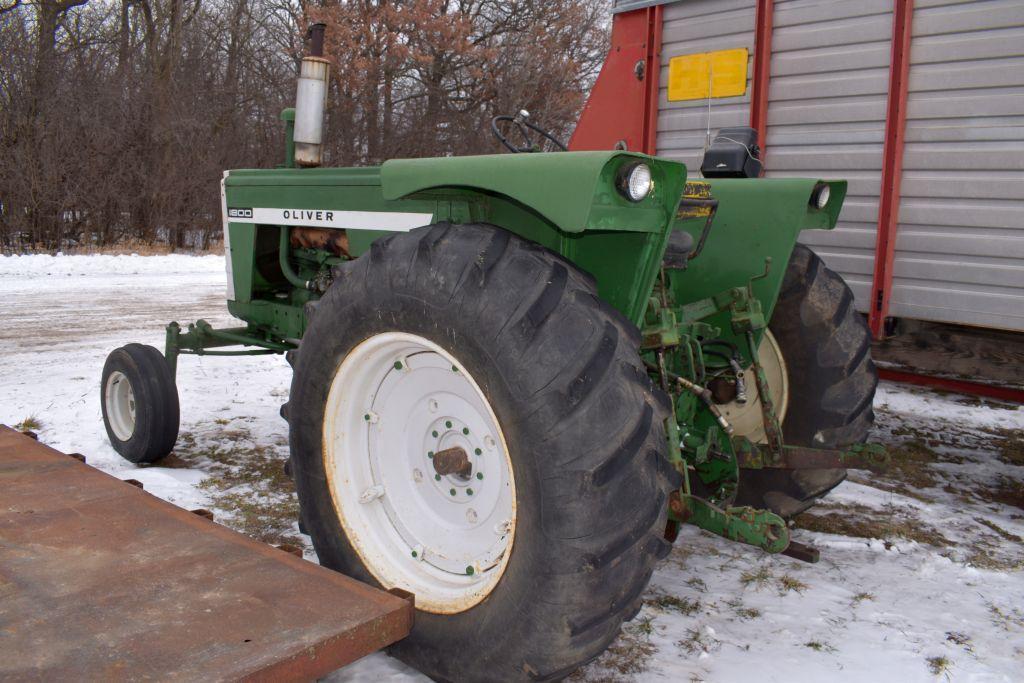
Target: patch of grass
pixel 1007 618
pixel 1010 446
pixel 671 602
pixel 961 639
pixel 861 597
pixel 910 469
pixel 788 583
pixel 819 646
pixel 1006 535
pixel 741 611
pixel 697 584
pixel 29 424
pixel 246 483
pixel 699 641
pixel 864 522
pixel 939 665
pixel 758 579
pixel 985 556
pixel 628 656
pixel 1005 491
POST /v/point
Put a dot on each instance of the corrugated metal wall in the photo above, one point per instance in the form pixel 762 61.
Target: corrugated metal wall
pixel 826 117
pixel 701 26
pixel 960 243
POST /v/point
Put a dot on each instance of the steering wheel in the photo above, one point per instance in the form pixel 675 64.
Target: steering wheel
pixel 524 128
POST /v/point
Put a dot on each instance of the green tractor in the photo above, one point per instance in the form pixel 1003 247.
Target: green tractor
pixel 516 375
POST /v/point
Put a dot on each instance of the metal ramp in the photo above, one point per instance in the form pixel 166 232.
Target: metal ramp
pixel 100 580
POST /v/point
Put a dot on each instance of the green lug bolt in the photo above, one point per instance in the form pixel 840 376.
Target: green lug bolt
pixel 366 417
pixel 430 454
pixel 448 424
pixel 414 553
pixel 437 477
pixel 454 369
pixel 469 571
pixel 469 492
pixel 451 491
pixel 433 433
pixel 398 365
pixel 479 475
pixel 477 451
pixel 465 430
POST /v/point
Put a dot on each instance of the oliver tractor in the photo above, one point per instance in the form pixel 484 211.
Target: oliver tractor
pixel 516 375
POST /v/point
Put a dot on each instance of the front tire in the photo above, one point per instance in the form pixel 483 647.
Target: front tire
pixel 139 400
pixel 559 372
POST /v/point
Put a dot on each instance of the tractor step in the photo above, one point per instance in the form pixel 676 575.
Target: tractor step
pixel 100 580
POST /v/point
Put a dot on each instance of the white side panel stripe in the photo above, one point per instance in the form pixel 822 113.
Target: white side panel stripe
pixel 227 238
pixel 391 221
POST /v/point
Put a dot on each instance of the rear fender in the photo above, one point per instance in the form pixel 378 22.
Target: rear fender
pixel 566 201
pixel 756 220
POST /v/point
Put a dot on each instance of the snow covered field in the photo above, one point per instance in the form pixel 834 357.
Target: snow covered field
pixel 922 570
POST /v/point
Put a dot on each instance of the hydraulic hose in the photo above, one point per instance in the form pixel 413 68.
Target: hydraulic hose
pixel 286 267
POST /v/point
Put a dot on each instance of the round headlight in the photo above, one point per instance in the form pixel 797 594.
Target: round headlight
pixel 819 198
pixel 635 181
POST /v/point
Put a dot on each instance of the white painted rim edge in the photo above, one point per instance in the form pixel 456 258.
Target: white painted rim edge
pixel 360 377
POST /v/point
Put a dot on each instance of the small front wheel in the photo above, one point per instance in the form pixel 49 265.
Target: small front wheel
pixel 140 403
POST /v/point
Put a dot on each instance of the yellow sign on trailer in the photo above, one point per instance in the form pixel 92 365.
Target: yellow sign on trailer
pixel 716 74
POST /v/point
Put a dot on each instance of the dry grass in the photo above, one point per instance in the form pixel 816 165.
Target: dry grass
pixel 246 482
pixel 939 666
pixel 788 584
pixel 667 602
pixel 910 469
pixel 29 424
pixel 819 646
pixel 1005 491
pixel 759 578
pixel 861 521
pixel 1009 445
pixel 625 658
pixel 861 597
pixel 1006 535
pixel 698 641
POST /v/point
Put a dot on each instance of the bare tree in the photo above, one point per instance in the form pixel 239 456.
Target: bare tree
pixel 117 117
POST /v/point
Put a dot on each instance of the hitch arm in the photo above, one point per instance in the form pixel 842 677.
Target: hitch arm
pixel 866 456
pixel 760 528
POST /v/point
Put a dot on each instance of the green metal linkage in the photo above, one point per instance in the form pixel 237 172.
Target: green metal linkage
pixel 760 528
pixel 201 337
pixel 867 456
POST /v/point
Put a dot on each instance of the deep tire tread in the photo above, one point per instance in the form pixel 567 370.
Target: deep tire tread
pixel 827 348
pixel 586 408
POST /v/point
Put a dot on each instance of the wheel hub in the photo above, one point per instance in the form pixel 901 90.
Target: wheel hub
pixel 120 399
pixel 746 418
pixel 419 471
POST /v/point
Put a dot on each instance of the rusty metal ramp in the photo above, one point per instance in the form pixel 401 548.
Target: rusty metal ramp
pixel 99 580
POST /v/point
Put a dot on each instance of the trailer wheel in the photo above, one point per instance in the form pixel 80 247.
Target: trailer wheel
pixel 470 422
pixel 826 347
pixel 139 400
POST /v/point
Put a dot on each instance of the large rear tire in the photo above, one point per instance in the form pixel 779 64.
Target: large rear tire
pixel 826 346
pixel 481 332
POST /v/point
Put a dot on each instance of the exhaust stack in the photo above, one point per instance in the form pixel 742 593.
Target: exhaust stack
pixel 310 100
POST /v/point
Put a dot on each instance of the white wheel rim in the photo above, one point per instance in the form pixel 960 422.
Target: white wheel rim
pixel 120 399
pixel 746 418
pixel 396 399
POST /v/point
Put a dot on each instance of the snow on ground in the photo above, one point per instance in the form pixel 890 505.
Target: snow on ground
pixel 922 569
